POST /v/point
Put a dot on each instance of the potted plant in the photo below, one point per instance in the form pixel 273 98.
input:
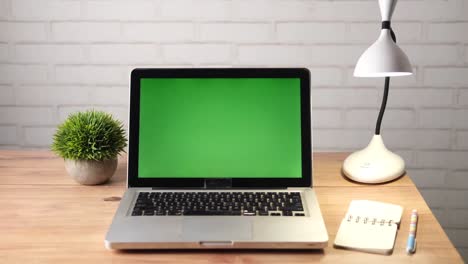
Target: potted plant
pixel 90 142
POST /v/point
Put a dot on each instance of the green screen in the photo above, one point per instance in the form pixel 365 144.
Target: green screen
pixel 220 128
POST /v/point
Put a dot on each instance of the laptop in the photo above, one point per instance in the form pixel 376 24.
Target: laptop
pixel 219 158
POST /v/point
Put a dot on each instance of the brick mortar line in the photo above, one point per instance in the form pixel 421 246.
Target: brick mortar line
pixel 236 21
pixel 285 43
pixel 447 20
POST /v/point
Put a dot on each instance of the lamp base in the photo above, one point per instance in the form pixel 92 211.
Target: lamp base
pixel 374 164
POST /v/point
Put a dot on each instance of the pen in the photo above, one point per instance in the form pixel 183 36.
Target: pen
pixel 411 244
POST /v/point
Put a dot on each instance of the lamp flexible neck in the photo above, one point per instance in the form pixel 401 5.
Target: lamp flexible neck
pixel 385 25
pixel 382 107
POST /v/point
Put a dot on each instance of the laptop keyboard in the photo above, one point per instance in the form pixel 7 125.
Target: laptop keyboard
pixel 219 203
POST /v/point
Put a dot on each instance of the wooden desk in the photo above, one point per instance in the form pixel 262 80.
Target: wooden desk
pixel 45 217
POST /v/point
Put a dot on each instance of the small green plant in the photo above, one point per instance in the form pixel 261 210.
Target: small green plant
pixel 89 135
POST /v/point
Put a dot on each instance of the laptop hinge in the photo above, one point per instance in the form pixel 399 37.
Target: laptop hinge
pixel 298 188
pixel 220 183
pixel 214 188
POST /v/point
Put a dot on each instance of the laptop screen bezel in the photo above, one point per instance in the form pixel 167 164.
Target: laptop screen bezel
pixel 134 122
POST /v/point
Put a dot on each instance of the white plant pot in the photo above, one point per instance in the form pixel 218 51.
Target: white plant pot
pixel 90 172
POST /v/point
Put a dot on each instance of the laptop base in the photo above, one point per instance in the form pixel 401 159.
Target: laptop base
pixel 226 232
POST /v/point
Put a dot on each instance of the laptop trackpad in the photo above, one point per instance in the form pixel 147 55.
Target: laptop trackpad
pixel 216 229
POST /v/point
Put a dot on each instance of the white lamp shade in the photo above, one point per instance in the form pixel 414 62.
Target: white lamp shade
pixel 383 59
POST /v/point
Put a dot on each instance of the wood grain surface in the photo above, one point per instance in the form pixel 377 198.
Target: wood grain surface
pixel 45 217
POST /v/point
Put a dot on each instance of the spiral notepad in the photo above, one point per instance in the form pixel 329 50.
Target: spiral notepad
pixel 369 226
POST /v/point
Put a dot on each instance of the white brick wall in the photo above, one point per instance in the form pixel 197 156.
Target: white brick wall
pixel 7 95
pixel 21 115
pixel 161 32
pixel 446 76
pixel 52 95
pixel 327 118
pixel 461 118
pixel 40 53
pixel 198 54
pixel 3 8
pixel 457 179
pixel 106 95
pixel 120 10
pixel 345 97
pixel 440 54
pixel 456 218
pixel 62 56
pixel 462 140
pixel 429 178
pixel 236 32
pixel 195 10
pixel 307 32
pixel 89 74
pixel 436 197
pixel 299 55
pixel 437 32
pixel 78 32
pixel 23 31
pixel 45 9
pixel 21 73
pixel 325 76
pixel 436 118
pixel 463 97
pixel 395 118
pixel 421 97
pixel 8 135
pixel 123 53
pixel 38 136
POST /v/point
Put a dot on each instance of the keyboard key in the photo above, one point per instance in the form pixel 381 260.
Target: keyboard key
pixel 174 213
pixel 151 212
pixel 250 213
pixel 287 213
pixel 299 214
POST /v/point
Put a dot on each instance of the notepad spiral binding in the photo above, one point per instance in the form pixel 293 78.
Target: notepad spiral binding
pixel 371 221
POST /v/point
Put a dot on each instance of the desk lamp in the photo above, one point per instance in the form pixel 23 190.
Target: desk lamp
pixel 375 163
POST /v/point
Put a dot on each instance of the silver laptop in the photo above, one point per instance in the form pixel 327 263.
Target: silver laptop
pixel 219 158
